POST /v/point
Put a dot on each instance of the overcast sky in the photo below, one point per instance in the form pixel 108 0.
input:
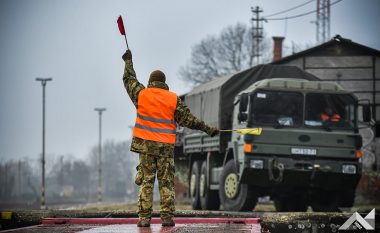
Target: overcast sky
pixel 77 43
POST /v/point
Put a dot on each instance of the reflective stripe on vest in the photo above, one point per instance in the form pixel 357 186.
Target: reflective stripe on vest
pixel 158 130
pixel 155 115
pixel 158 120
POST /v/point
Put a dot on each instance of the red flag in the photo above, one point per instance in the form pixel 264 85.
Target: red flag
pixel 121 25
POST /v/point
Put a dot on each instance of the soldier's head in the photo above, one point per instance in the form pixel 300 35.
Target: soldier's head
pixel 157 75
pixel 329 111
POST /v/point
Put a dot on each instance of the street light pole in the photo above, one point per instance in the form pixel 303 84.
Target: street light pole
pixel 100 111
pixel 43 83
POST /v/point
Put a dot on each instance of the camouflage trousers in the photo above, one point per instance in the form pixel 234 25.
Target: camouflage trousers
pixel 146 173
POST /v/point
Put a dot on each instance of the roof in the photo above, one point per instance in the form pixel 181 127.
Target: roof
pixel 337 41
pixel 255 73
pixel 213 84
pixel 296 84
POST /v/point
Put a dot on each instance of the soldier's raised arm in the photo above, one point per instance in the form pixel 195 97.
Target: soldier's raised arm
pixel 185 118
pixel 131 84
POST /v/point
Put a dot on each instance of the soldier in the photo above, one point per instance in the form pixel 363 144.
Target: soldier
pixel 158 111
pixel 330 116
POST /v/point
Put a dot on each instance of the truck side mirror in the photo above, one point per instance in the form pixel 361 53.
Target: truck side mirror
pixel 366 111
pixel 242 117
pixel 377 129
pixel 243 108
pixel 243 102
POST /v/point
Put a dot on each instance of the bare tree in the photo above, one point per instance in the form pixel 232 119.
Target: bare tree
pixel 118 169
pixel 18 184
pixel 68 179
pixel 216 56
pixel 295 47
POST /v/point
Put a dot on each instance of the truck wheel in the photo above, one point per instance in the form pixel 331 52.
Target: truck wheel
pixel 290 204
pixel 194 185
pixel 347 198
pixel 233 195
pixel 324 201
pixel 209 198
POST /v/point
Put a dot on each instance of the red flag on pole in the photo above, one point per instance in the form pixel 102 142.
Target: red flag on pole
pixel 122 29
pixel 121 25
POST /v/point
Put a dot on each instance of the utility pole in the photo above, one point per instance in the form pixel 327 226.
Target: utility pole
pixel 61 173
pixel 257 31
pixel 43 188
pixel 19 179
pixel 323 21
pixel 100 111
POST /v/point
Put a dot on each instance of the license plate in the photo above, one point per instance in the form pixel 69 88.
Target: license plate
pixel 303 151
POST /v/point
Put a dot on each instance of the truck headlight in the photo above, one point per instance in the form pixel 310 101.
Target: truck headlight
pixel 258 164
pixel 349 169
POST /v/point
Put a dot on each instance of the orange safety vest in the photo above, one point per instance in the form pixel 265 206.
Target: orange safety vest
pixel 334 118
pixel 155 115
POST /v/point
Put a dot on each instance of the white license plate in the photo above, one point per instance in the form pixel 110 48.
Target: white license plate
pixel 303 151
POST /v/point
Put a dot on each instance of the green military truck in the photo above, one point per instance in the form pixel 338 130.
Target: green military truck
pixel 300 159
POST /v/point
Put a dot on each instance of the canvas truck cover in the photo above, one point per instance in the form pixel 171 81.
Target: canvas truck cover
pixel 212 102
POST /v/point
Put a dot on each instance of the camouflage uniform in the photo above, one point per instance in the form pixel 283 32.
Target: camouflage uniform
pixel 156 156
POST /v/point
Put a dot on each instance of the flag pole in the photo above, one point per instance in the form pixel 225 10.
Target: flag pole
pixel 125 36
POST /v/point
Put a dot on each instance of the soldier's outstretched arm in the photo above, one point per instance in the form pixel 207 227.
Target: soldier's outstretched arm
pixel 185 118
pixel 131 84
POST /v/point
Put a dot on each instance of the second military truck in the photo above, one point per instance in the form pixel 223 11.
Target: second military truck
pixel 308 153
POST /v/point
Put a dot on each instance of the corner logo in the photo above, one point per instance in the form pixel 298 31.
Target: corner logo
pixel 357 222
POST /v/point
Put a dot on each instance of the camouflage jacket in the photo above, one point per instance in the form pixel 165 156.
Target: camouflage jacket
pixel 182 115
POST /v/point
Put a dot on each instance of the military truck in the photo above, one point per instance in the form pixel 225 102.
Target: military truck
pixel 300 159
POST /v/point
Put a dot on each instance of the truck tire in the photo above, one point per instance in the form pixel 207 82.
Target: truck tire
pixel 209 198
pixel 330 201
pixel 325 201
pixel 347 198
pixel 233 195
pixel 291 204
pixel 194 185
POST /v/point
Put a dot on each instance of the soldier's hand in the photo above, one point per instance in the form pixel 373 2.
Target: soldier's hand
pixel 212 131
pixel 139 175
pixel 127 55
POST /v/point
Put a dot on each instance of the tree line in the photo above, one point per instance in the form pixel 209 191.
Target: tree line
pixel 70 180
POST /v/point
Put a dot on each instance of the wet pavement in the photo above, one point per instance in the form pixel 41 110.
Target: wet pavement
pixel 154 228
pixel 188 225
pixel 186 221
pixel 209 228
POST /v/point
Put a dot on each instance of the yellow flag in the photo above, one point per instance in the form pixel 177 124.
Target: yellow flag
pixel 253 131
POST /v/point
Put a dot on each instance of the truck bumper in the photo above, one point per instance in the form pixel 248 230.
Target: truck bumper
pixel 303 173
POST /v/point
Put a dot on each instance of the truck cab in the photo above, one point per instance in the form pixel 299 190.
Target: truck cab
pixel 309 150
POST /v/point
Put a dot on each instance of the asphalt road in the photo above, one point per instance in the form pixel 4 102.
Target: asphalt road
pixel 104 225
pixel 186 221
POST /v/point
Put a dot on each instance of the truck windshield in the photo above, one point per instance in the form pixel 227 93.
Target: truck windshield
pixel 277 108
pixel 330 110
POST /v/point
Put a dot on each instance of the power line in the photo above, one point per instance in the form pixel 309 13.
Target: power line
pixel 290 9
pixel 300 15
